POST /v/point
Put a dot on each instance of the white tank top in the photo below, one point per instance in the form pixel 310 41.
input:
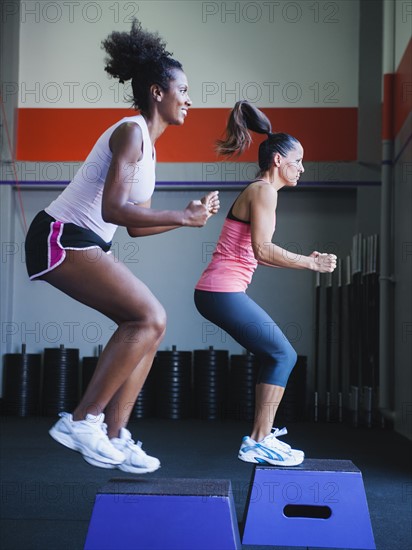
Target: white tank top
pixel 81 201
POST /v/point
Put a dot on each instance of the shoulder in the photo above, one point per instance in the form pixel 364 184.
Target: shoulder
pixel 130 129
pixel 262 193
pixel 127 135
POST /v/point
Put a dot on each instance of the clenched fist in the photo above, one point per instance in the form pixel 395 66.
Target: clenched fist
pixel 211 201
pixel 324 263
pixel 198 212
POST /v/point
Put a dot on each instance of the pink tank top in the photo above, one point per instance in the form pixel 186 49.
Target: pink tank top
pixel 233 261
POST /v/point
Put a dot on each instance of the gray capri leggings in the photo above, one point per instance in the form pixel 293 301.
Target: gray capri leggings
pixel 252 328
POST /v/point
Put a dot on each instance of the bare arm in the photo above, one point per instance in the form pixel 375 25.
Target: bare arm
pixel 211 201
pixel 146 231
pixel 126 145
pixel 262 208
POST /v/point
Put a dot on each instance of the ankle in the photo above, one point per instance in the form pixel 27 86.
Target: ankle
pixel 113 433
pixel 258 435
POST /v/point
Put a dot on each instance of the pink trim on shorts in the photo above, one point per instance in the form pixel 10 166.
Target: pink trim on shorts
pixel 55 252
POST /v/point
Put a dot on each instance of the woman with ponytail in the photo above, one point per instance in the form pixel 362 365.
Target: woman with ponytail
pixel 246 241
pixel 114 187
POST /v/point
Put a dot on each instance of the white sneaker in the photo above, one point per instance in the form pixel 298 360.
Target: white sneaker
pixel 270 450
pixel 89 437
pixel 137 461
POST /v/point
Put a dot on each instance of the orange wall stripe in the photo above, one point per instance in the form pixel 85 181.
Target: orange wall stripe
pixel 53 135
pixel 388 106
pixel 403 89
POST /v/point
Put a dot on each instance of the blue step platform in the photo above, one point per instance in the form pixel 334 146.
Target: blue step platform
pixel 164 514
pixel 321 503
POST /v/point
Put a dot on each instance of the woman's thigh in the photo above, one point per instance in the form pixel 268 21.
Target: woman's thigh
pixel 101 282
pixel 238 315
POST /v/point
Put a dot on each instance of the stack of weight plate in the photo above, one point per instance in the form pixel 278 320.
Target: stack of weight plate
pixel 21 383
pixel 292 408
pixel 210 380
pixel 242 382
pixel 89 365
pixel 145 402
pixel 60 380
pixel 173 370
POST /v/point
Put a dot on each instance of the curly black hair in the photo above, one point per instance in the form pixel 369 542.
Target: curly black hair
pixel 139 56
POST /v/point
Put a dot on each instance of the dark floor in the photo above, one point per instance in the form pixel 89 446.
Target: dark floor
pixel 47 491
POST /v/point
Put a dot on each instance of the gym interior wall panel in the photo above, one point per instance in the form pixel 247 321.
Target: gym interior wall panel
pixel 304 85
pixel 270 52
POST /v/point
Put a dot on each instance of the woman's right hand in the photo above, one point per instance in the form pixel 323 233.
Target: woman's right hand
pixel 323 262
pixel 197 212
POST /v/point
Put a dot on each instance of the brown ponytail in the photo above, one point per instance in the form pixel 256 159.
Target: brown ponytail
pixel 243 117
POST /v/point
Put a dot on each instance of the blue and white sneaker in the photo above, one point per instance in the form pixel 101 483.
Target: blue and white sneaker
pixel 270 450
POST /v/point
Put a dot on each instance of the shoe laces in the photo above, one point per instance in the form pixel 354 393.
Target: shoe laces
pixel 129 442
pixel 278 433
pixel 272 439
pixel 101 432
pixel 100 426
pixel 132 443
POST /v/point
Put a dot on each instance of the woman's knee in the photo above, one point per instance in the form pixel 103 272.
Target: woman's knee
pixel 278 367
pixel 288 362
pixel 152 321
pixel 292 358
pixel 155 320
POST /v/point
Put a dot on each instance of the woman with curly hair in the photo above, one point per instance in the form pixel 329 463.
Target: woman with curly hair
pixel 246 241
pixel 113 188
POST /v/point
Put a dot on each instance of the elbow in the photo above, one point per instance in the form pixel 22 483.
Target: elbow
pixel 259 254
pixel 133 231
pixel 265 255
pixel 260 259
pixel 109 215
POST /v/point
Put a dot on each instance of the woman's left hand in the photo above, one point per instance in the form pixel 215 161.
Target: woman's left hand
pixel 324 262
